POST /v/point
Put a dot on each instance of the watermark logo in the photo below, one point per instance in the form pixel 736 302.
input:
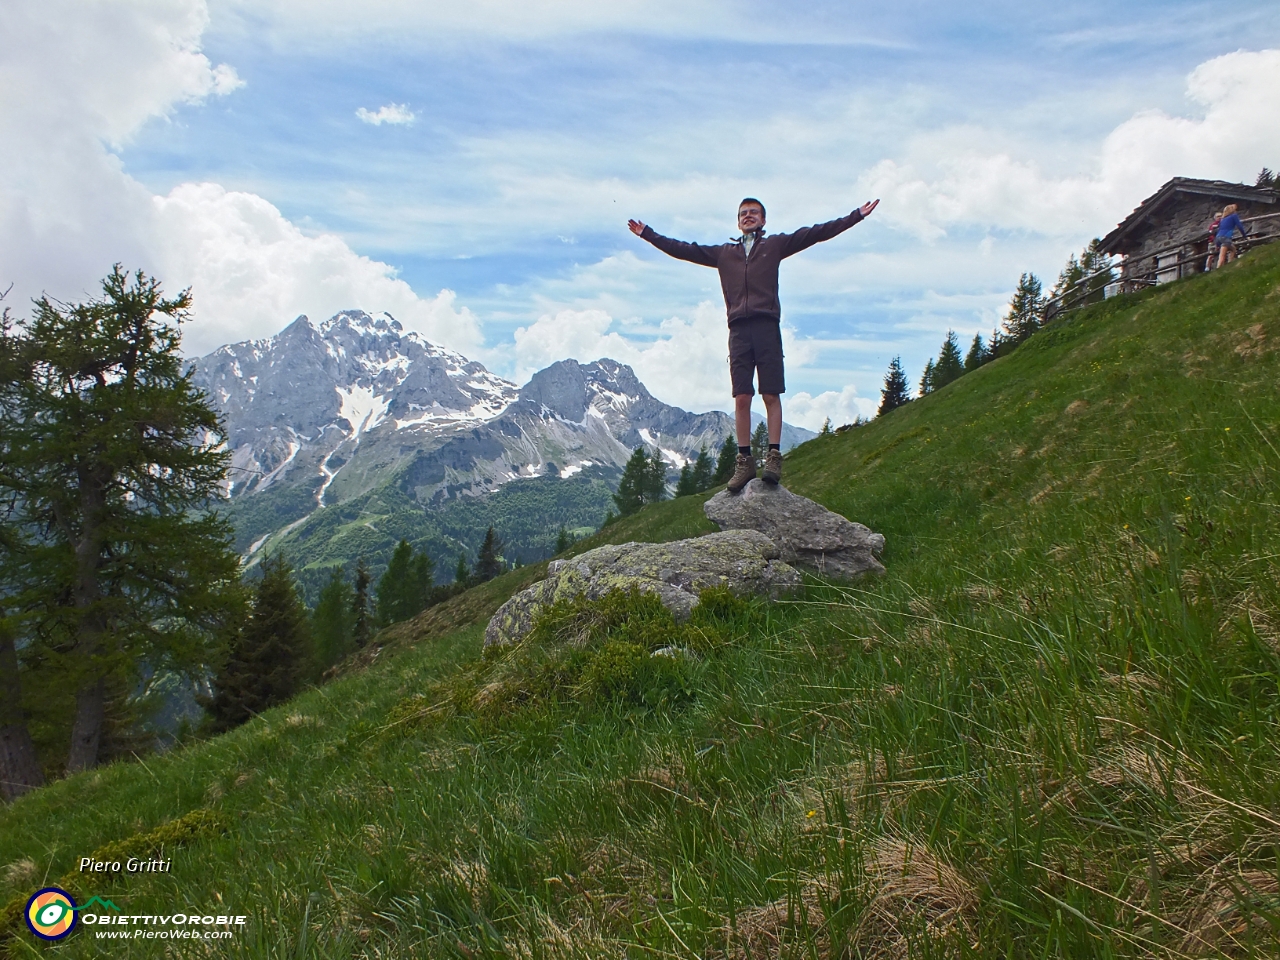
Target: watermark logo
pixel 51 913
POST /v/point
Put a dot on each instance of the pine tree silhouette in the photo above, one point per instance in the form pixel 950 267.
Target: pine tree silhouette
pixel 362 614
pixel 726 460
pixel 489 561
pixel 268 657
pixel 949 366
pixel 897 391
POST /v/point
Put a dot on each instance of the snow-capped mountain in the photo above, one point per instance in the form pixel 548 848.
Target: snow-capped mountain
pixel 321 413
pixel 300 403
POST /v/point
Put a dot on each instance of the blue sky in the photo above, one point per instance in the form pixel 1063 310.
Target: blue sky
pixel 221 146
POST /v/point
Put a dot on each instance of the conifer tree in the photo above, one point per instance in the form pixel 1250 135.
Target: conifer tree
pixel 109 461
pixel 950 366
pixel 685 485
pixel 563 540
pixel 422 574
pixel 926 379
pixel 826 427
pixel 361 608
pixel 703 471
pixel 1068 277
pixel 1265 178
pixel 631 488
pixel 333 620
pixel 1096 265
pixel 489 562
pixel 655 487
pixel 461 572
pixel 760 443
pixel 726 461
pixel 1026 309
pixel 404 588
pixel 896 391
pixel 977 354
pixel 270 655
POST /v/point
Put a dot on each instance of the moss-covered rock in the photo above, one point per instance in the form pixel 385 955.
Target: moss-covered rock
pixel 807 533
pixel 743 561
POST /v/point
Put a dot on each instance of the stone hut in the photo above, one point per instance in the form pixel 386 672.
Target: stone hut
pixel 1167 236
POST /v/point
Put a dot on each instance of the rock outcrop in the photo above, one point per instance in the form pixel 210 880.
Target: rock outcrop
pixel 807 533
pixel 745 561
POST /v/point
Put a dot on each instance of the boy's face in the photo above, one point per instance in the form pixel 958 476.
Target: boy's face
pixel 750 217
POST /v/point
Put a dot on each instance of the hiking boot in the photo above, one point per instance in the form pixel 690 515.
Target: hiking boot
pixel 772 467
pixel 745 473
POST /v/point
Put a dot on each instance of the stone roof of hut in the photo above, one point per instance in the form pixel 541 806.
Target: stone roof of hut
pixel 1118 239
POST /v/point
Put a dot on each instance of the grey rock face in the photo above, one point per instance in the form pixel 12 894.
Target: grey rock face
pixel 806 533
pixel 745 561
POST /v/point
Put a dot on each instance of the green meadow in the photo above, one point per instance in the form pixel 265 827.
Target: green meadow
pixel 1050 730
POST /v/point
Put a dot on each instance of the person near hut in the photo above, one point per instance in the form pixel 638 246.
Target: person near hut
pixel 1213 242
pixel 748 268
pixel 1227 228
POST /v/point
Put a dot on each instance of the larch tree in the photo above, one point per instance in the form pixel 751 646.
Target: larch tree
pixel 950 365
pixel 1026 309
pixel 269 657
pixel 489 562
pixel 404 589
pixel 896 391
pixel 760 442
pixel 977 355
pixel 685 485
pixel 362 614
pixel 726 460
pixel 333 620
pixel 634 483
pixel 655 482
pixel 110 469
pixel 703 471
pixel 926 378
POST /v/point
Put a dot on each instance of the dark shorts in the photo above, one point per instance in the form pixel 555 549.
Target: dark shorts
pixel 756 344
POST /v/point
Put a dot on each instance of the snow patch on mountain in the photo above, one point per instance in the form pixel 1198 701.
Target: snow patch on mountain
pixel 361 408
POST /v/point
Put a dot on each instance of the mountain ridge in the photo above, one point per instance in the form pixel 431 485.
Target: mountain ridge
pixel 331 413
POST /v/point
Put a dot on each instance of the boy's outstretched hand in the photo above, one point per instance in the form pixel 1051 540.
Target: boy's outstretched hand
pixel 867 207
pixel 635 226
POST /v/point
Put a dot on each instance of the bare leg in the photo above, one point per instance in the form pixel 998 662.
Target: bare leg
pixel 773 410
pixel 1222 254
pixel 742 418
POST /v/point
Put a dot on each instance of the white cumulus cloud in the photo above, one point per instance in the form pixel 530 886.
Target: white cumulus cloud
pixel 252 270
pixel 950 178
pixel 80 80
pixel 394 113
pixel 839 406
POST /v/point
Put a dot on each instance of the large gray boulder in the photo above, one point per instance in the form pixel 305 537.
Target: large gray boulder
pixel 745 561
pixel 807 533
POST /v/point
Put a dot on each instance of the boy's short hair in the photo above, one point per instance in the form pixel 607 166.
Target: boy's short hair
pixel 746 200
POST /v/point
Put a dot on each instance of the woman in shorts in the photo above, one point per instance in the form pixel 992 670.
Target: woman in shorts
pixel 1227 228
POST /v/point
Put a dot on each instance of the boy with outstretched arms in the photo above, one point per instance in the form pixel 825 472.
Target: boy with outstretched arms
pixel 748 268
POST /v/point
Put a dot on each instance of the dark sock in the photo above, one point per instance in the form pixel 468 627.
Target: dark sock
pixel 775 446
pixel 745 451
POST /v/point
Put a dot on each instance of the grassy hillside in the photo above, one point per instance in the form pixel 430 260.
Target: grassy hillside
pixel 1048 731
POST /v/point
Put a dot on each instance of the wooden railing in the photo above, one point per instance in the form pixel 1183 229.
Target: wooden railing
pixel 1261 230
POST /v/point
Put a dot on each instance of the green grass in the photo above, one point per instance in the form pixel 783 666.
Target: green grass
pixel 1049 731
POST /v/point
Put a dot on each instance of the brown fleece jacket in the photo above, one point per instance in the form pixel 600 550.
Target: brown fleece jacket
pixel 750 284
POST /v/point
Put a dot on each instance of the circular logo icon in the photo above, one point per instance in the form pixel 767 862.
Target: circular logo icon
pixel 51 913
